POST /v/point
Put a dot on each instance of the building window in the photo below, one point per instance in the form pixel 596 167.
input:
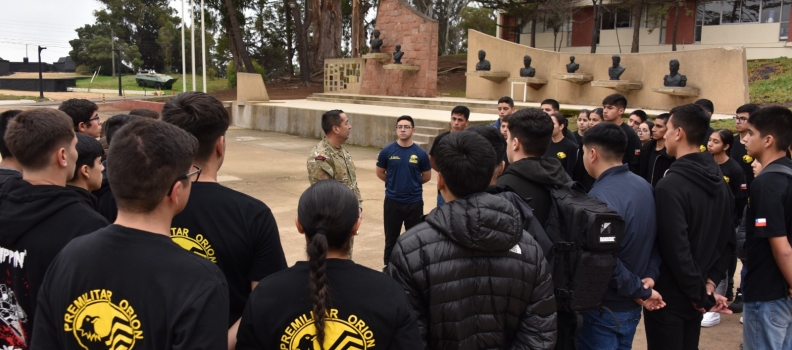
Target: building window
pixel 717 12
pixel 616 18
pixel 750 11
pixel 655 20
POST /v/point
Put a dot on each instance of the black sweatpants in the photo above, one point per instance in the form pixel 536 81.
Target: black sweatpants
pixel 396 214
pixel 673 329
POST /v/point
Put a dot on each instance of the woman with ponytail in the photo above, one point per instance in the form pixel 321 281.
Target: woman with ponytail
pixel 328 302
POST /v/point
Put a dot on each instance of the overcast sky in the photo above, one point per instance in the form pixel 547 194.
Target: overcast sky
pixel 48 23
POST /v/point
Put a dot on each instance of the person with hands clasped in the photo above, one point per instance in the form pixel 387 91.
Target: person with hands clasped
pixel 694 237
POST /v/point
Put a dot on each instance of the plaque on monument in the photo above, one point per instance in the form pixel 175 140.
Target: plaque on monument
pixel 483 64
pixel 376 42
pixel 528 71
pixel 572 67
pixel 674 78
pixel 397 56
pixel 615 71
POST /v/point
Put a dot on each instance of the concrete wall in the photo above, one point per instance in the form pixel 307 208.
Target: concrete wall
pixel 400 24
pixel 720 74
pixel 50 85
pixel 754 33
pixel 4 68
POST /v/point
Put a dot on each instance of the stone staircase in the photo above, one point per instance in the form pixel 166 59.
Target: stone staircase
pixel 442 104
pixel 424 136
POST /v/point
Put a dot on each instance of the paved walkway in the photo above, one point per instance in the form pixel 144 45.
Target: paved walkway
pixel 271 167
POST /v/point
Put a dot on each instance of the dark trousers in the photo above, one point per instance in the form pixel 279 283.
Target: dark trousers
pixel 673 329
pixel 396 214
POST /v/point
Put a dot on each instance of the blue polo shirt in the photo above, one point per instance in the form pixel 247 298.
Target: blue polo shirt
pixel 403 167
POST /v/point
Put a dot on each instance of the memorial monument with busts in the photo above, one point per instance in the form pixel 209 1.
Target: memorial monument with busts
pixel 376 42
pixel 528 71
pixel 571 75
pixel 675 84
pixel 674 78
pixel 483 63
pixel 615 72
pixel 572 67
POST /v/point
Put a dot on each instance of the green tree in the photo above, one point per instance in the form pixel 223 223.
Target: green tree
pixel 93 49
pixel 167 39
pixel 476 18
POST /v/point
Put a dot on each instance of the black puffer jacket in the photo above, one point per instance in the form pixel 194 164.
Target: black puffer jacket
pixel 475 279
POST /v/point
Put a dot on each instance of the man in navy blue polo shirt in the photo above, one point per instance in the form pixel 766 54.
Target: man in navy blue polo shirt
pixel 405 167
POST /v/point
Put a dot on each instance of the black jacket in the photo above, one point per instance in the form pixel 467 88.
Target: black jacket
pixel 695 237
pixel 475 279
pixel 86 197
pixel 8 174
pixel 36 222
pixel 654 171
pixel 530 177
pixel 530 223
pixel 107 205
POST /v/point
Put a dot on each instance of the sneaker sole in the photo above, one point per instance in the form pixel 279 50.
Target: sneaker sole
pixel 710 324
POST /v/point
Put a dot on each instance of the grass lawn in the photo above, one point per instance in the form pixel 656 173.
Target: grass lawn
pixel 4 97
pixel 770 81
pixel 128 83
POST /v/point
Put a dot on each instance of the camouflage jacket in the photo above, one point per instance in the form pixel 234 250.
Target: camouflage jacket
pixel 328 162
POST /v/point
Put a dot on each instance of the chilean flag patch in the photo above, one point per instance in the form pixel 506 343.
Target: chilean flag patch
pixel 637 151
pixel 761 222
pixel 743 187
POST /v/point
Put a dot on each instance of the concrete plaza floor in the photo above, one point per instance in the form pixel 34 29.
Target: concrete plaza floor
pixel 271 167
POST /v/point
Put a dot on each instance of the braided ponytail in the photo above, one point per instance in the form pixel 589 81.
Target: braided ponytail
pixel 317 254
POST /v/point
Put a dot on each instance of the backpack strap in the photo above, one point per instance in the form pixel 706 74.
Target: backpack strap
pixel 777 168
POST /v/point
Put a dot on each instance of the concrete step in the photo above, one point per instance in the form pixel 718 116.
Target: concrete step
pixel 428 130
pixel 424 145
pixel 423 138
pixel 414 103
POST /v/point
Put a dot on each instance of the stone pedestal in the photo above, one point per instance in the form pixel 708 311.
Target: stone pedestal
pixel 678 91
pixel 379 57
pixel 623 86
pixel 402 67
pixel 495 77
pixel 533 82
pixel 577 78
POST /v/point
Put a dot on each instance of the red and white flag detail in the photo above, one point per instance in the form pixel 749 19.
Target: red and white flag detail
pixel 761 222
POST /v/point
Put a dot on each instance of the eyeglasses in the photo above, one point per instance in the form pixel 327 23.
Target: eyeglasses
pixel 643 131
pixel 403 127
pixel 96 117
pixel 739 119
pixel 187 176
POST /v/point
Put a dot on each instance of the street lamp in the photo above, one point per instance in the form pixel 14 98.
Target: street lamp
pixel 41 78
pixel 118 54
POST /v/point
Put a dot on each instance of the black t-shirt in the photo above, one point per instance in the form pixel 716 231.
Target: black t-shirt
pixel 566 152
pixel 437 141
pixel 735 178
pixel 131 289
pixel 367 310
pixel 107 205
pixel 740 155
pixel 233 230
pixel 632 154
pixel 769 215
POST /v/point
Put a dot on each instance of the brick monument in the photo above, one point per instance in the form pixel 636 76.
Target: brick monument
pixel 401 24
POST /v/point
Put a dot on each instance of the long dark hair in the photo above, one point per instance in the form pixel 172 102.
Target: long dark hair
pixel 327 211
pixel 727 138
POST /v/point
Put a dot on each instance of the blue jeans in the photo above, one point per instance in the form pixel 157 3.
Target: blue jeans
pixel 767 325
pixel 601 331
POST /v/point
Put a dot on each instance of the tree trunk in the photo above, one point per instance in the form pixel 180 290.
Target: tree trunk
pixel 236 32
pixel 676 25
pixel 331 32
pixel 636 40
pixel 303 50
pixel 595 32
pixel 533 32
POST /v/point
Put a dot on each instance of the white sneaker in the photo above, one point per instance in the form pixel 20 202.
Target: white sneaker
pixel 710 319
pixel 741 321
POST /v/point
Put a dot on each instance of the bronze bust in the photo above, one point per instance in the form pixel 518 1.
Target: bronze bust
pixel 397 56
pixel 376 43
pixel 483 64
pixel 572 66
pixel 674 79
pixel 615 71
pixel 528 71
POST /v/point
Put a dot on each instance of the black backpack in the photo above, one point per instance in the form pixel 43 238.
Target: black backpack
pixel 586 235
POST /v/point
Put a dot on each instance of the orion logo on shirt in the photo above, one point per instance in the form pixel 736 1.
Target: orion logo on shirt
pixel 561 155
pixel 702 148
pixel 414 159
pixel 726 178
pixel 98 323
pixel 747 159
pixel 350 333
pixel 197 244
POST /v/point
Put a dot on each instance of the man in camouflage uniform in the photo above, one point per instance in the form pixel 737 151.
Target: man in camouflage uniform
pixel 329 159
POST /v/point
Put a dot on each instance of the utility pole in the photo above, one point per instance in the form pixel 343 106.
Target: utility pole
pixel 41 77
pixel 192 41
pixel 184 57
pixel 203 47
pixel 112 52
pixel 119 72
